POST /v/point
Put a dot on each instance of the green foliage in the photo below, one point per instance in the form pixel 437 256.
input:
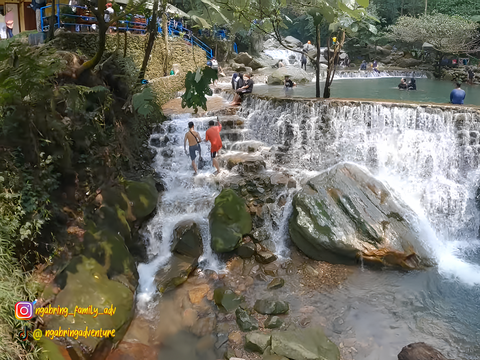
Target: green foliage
pixel 447 34
pixel 13 281
pixel 144 102
pixel 197 86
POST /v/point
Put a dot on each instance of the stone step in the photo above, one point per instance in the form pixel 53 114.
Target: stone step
pixel 234 135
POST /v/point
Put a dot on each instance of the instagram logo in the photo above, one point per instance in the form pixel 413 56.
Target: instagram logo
pixel 23 310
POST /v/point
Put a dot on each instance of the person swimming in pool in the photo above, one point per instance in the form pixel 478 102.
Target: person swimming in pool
pixel 402 85
pixel 412 85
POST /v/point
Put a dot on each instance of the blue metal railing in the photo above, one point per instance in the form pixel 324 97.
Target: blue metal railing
pixel 235 48
pixel 85 22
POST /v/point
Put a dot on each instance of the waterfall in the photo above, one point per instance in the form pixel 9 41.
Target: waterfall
pixel 428 155
pixel 286 55
pixel 357 74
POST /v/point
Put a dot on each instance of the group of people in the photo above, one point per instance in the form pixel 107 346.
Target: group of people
pixel 242 84
pixel 374 66
pixel 411 85
pixel 194 139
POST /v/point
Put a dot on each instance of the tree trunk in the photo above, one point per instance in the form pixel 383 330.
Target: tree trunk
pixel 125 45
pixel 152 35
pixel 317 82
pixel 426 2
pixel 326 90
pixel 401 10
pixel 165 35
pixel 51 22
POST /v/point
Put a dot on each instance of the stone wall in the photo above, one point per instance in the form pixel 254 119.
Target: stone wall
pixel 181 53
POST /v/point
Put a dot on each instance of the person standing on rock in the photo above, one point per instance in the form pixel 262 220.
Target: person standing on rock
pixel 303 61
pixel 213 135
pixel 194 141
pixel 457 95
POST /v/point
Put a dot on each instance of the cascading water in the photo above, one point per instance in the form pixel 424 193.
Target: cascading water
pixel 357 74
pixel 427 155
pixel 187 197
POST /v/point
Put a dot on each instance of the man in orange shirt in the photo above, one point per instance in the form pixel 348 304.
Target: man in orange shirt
pixel 213 135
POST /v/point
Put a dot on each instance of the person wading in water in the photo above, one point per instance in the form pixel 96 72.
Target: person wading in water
pixel 194 141
pixel 213 135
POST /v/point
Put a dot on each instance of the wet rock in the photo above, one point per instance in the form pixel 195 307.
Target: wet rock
pixel 198 293
pixel 243 58
pixel 246 250
pixel 257 342
pixel 270 269
pixel 420 351
pixel 297 75
pixel 175 272
pixel 273 322
pixel 222 339
pixel 229 221
pixel 204 326
pixel 155 141
pixel 247 163
pixel 276 283
pixel 293 42
pixel 271 307
pixel 308 344
pixel 255 64
pixel 86 273
pixel 245 322
pixel 235 337
pixel 346 213
pixel 226 298
pixel 291 183
pixel 187 239
pixel 265 256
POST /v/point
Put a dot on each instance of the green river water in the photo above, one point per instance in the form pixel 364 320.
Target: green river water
pixel 428 90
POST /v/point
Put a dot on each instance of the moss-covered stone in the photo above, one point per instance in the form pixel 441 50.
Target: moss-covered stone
pixel 244 321
pixel 143 197
pixel 87 284
pixel 271 307
pixel 229 221
pixel 308 344
pixel 226 298
pixel 187 239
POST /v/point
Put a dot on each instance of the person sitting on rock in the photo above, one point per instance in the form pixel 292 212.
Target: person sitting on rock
pixel 412 85
pixel 194 141
pixel 363 66
pixel 280 63
pixel 402 85
pixel 245 89
pixel 288 83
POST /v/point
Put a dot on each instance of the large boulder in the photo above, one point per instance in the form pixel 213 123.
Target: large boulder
pixel 298 75
pixel 238 67
pixel 243 58
pixel 255 64
pixel 86 284
pixel 407 63
pixel 420 351
pixel 308 344
pixel 293 42
pixel 345 213
pixel 187 239
pixel 229 221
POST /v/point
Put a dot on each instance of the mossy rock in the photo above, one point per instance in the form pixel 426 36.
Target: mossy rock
pixel 143 197
pixel 229 221
pixel 109 249
pixel 87 284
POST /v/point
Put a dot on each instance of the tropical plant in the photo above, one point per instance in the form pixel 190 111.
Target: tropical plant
pixel 197 86
pixel 268 17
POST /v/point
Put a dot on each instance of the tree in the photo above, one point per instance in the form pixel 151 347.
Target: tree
pixel 152 35
pixel 447 34
pixel 268 16
pixel 97 9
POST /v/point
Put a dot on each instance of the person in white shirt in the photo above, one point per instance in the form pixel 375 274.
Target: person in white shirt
pixel 108 15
